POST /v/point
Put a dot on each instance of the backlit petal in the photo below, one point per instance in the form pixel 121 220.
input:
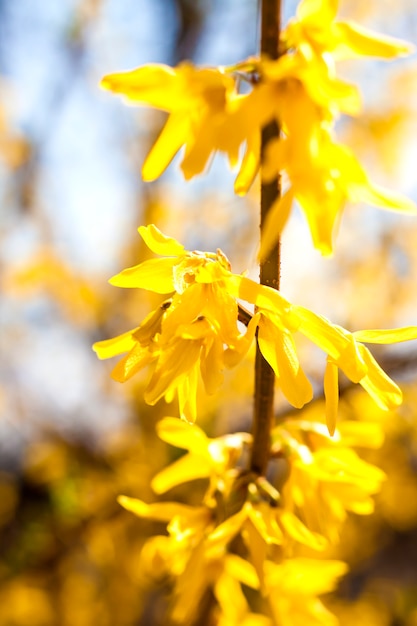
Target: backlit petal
pixel 174 134
pixel 160 243
pixel 117 345
pixel 138 358
pixel 175 363
pixel 331 393
pixel 294 384
pixel 249 166
pixel 381 197
pixel 160 511
pixel 298 531
pixel 304 577
pixel 395 335
pixel 320 11
pixel 154 85
pixel 212 366
pixel 378 384
pixel 154 275
pixel 355 40
pixel 187 468
pixel 182 435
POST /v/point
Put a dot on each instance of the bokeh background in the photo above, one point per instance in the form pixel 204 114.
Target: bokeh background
pixel 71 199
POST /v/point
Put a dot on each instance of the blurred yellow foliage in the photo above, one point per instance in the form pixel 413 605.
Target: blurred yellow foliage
pixel 46 274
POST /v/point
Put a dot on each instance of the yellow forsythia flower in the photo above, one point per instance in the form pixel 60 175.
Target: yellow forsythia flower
pixel 279 319
pixel 214 459
pixel 293 586
pixel 315 32
pixel 195 556
pixel 327 479
pixel 300 90
pixel 323 176
pixel 188 333
pixel 202 104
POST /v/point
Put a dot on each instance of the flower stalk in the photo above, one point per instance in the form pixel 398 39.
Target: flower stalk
pixel 269 273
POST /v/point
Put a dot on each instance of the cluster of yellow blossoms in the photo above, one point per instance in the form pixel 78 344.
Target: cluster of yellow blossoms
pixel 300 90
pixel 245 534
pixel 195 330
pixel 199 552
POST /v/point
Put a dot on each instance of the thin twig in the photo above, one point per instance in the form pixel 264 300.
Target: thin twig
pixel 244 315
pixel 270 267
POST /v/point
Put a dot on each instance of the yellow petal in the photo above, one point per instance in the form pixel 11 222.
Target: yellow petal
pixel 343 465
pixel 187 468
pixel 182 435
pixel 222 310
pixel 263 519
pixel 190 588
pixel 160 243
pixel 138 358
pixel 298 531
pixel 355 500
pixel 294 383
pixel 153 84
pixel 212 365
pixel 321 11
pixel 233 355
pixel 331 393
pixel 231 599
pixel 354 40
pixel 187 394
pixel 174 364
pixel 228 529
pixel 278 348
pixel 322 212
pixel 394 335
pixel 267 336
pixel 184 309
pixel 198 329
pixel 336 342
pixel 308 577
pixel 275 222
pixel 117 345
pixel 262 296
pixel 160 511
pixel 362 434
pixel 199 146
pixel 154 275
pixel 366 191
pixel 173 135
pixel 249 166
pixel 257 548
pixel 330 92
pixel 378 384
pixel 241 570
pixel 276 159
pixel 151 325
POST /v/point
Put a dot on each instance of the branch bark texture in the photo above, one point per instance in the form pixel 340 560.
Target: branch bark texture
pixel 270 267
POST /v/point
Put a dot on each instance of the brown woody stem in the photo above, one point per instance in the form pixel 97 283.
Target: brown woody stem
pixel 270 266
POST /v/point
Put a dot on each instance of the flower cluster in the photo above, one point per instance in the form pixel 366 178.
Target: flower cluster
pixel 300 90
pixel 327 479
pixel 196 331
pixel 246 530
